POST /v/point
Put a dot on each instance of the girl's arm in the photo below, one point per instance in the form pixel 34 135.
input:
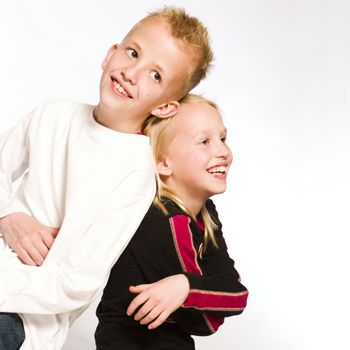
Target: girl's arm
pixel 215 290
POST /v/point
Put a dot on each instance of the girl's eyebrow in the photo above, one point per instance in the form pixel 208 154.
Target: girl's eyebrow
pixel 206 131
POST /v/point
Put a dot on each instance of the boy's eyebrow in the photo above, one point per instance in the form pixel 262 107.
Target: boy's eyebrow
pixel 159 68
pixel 139 49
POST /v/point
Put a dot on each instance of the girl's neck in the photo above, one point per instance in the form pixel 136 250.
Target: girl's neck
pixel 194 206
pixel 192 201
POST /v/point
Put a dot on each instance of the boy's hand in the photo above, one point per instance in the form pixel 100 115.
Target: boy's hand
pixel 30 239
pixel 158 299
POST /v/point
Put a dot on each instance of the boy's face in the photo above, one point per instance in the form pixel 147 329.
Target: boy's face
pixel 147 70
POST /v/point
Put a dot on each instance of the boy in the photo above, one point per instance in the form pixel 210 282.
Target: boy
pixel 90 174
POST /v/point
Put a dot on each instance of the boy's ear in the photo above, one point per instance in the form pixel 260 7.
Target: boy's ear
pixel 166 110
pixel 110 52
pixel 163 167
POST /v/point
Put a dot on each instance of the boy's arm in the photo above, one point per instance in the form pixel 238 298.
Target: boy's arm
pixel 14 157
pixel 78 268
pixel 29 238
pixel 24 234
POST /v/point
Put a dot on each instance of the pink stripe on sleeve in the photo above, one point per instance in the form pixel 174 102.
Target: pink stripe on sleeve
pixel 182 237
pixel 216 301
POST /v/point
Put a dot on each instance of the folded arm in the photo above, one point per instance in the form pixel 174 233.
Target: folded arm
pixel 212 291
pixel 30 239
pixel 76 268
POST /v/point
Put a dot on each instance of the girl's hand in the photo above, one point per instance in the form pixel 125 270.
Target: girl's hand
pixel 158 299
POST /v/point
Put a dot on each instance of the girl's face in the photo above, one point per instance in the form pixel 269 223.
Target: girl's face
pixel 197 158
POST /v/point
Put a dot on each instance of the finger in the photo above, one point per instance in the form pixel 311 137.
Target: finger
pixel 144 310
pixel 33 253
pixel 136 302
pixel 41 249
pixel 54 231
pixel 48 240
pixel 140 288
pixel 151 315
pixel 38 259
pixel 159 320
pixel 23 255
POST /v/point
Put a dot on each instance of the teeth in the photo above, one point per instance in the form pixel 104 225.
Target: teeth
pixel 119 88
pixel 217 169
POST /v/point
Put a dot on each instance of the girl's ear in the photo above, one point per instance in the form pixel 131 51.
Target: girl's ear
pixel 166 110
pixel 164 167
pixel 110 52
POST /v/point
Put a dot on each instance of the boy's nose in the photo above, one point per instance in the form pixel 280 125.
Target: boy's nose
pixel 130 74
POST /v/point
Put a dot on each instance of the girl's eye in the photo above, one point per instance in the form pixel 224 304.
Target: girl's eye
pixel 132 53
pixel 156 76
pixel 204 142
pixel 223 139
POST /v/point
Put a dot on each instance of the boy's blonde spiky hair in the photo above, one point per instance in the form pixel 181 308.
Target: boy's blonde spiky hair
pixel 195 38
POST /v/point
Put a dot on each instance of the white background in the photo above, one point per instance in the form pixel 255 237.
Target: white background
pixel 281 77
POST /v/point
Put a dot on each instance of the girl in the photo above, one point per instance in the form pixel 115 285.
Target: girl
pixel 179 243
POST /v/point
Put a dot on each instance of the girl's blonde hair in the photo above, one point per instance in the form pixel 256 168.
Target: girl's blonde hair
pixel 160 132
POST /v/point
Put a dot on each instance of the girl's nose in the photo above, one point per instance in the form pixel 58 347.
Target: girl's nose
pixel 224 151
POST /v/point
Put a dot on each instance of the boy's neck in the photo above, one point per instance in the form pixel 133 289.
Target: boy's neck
pixel 121 124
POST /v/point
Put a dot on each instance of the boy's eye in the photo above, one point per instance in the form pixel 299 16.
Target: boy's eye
pixel 132 53
pixel 156 76
pixel 223 139
pixel 204 142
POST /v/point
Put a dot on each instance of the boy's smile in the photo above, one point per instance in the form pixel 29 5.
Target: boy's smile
pixel 147 70
pixel 119 88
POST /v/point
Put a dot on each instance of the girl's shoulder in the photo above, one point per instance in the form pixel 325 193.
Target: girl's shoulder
pixel 174 209
pixel 157 217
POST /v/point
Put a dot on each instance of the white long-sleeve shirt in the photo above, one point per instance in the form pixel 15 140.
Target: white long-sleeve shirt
pixel 94 183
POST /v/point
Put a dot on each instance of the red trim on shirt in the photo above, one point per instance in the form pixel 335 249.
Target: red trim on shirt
pixel 220 301
pixel 182 237
pixel 201 299
pixel 213 322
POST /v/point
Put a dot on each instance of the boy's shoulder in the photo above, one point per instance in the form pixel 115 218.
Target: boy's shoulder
pixel 59 112
pixel 60 106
